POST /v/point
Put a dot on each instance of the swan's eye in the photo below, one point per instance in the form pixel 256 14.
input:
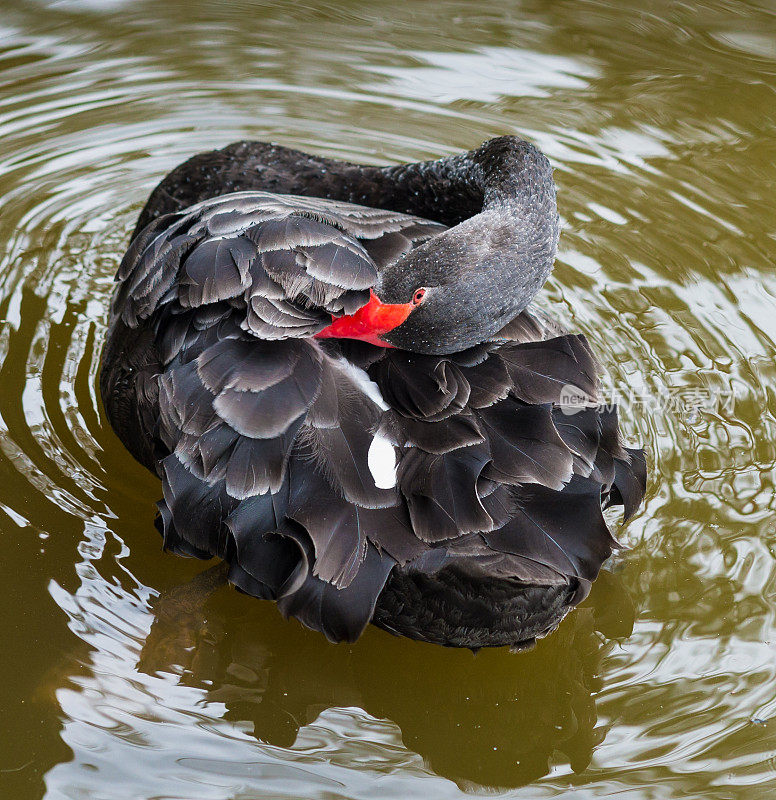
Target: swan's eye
pixel 417 298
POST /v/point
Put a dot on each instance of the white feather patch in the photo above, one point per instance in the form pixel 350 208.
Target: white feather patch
pixel 364 383
pixel 382 462
pixel 381 457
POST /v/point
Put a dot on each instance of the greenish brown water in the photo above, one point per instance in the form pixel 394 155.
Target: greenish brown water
pixel 659 119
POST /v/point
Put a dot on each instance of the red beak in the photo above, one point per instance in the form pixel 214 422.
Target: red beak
pixel 369 323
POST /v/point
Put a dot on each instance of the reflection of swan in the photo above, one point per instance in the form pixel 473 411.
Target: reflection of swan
pixel 424 477
pixel 493 718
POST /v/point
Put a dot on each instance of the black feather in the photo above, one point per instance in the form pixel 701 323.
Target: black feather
pixel 580 432
pixel 266 412
pixel 525 445
pixel 441 492
pixel 339 434
pixel 196 508
pixel 540 371
pixel 546 531
pixel 216 269
pixel 630 481
pixel 424 387
pixel 460 430
pixel 489 381
pixel 340 614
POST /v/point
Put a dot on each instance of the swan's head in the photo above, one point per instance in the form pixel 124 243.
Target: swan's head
pixel 466 283
pixel 457 290
pixel 462 286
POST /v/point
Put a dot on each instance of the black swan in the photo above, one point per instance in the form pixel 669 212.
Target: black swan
pixel 333 370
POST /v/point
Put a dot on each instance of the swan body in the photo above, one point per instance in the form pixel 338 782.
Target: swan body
pixel 336 374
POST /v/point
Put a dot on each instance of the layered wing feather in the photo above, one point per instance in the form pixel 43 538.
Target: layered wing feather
pixel 497 473
pixel 261 434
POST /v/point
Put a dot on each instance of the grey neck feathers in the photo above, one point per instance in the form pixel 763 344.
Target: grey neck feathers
pixel 502 171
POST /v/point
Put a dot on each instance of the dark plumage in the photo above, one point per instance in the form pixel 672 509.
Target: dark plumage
pixel 267 436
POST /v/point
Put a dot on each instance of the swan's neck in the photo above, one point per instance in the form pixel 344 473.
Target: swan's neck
pixel 502 172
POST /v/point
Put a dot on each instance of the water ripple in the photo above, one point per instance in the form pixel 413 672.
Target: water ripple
pixel 664 682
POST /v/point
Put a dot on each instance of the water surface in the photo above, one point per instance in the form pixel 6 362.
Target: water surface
pixel 660 125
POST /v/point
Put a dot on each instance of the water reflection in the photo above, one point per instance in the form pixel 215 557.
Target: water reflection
pixel 219 668
pixel 493 718
pixel 486 75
